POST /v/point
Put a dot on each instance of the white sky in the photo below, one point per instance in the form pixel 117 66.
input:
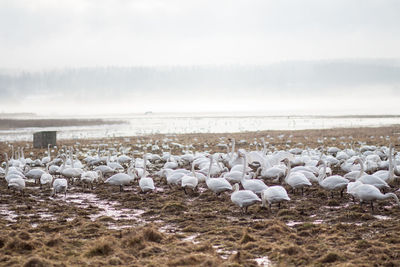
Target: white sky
pixel 45 34
pixel 38 35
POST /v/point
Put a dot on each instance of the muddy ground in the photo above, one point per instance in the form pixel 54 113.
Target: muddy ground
pixel 168 228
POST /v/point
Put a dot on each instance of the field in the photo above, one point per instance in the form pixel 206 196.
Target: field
pixel 103 226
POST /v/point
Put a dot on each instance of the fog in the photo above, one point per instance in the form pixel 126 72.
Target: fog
pixel 277 57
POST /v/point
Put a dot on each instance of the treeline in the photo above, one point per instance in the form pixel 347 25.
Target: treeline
pixel 280 76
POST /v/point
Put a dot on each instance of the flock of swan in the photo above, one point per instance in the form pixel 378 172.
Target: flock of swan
pixel 252 177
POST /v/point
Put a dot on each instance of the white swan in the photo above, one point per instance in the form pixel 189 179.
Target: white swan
pixel 35 174
pixel 90 177
pixel 369 193
pixel 331 183
pixel 60 185
pixel 217 185
pixel 387 176
pixel 146 183
pixel 274 194
pixel 244 198
pixel 295 180
pixel 189 181
pixel 46 178
pixel 255 185
pixel 17 184
pixel 370 179
pixel 121 179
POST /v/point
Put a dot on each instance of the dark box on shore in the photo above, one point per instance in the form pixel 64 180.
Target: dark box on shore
pixel 42 139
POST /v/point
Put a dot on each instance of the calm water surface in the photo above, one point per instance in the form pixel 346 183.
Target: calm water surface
pixel 197 123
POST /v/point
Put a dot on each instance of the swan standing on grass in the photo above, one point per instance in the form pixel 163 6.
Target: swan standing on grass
pixel 387 176
pixel 46 178
pixel 189 181
pixel 146 183
pixel 254 185
pixel 369 193
pixel 90 177
pixel 370 179
pixel 274 194
pixel 244 198
pixel 295 180
pixel 217 185
pixel 121 179
pixel 331 183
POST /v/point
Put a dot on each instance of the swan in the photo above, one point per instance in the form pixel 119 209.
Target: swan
pixel 217 185
pixel 295 180
pixel 254 185
pixel 146 184
pixel 244 198
pixel 121 179
pixel 189 181
pixel 17 184
pixel 11 172
pixel 60 185
pixel 47 159
pixel 387 176
pixel 46 177
pixel 35 174
pixel 274 194
pixel 331 183
pixel 370 179
pixel 70 172
pixel 90 177
pixel 201 178
pixel 369 193
pixel 276 172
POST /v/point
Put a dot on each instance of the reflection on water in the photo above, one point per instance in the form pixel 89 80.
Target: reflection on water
pixel 197 123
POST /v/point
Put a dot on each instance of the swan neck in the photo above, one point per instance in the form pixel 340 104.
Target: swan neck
pixel 144 165
pixel 361 168
pixel 391 166
pixel 263 199
pixel 233 147
pixel 289 167
pixel 244 166
pixel 209 169
pixel 322 175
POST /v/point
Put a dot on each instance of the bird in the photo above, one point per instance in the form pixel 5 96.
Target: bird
pixel 255 185
pixel 189 181
pixel 331 183
pixel 274 194
pixel 295 180
pixel 121 179
pixel 146 183
pixel 370 179
pixel 244 198
pixel 369 193
pixel 46 177
pixel 60 185
pixel 217 185
pixel 17 184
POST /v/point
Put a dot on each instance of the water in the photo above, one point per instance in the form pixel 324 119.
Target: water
pixel 165 123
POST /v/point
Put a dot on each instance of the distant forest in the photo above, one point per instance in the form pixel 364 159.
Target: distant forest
pixel 302 75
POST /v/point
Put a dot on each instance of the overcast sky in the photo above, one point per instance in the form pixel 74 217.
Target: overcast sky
pixel 44 35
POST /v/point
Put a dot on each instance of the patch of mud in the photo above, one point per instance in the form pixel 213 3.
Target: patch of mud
pixel 8 214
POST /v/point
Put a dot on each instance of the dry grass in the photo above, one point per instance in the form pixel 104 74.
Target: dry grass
pixel 325 232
